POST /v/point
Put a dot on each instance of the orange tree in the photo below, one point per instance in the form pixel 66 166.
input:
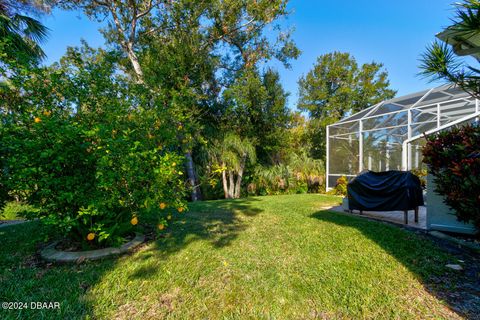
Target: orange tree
pixel 83 144
pixel 453 157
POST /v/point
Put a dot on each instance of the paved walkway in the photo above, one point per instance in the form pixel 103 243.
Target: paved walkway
pixel 393 216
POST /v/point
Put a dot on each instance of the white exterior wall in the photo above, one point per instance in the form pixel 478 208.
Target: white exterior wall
pixel 440 216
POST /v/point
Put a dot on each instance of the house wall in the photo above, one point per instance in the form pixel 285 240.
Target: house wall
pixel 440 216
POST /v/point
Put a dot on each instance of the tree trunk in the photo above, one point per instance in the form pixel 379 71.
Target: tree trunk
pixel 238 185
pixel 132 56
pixel 128 41
pixel 231 187
pixel 224 181
pixel 191 177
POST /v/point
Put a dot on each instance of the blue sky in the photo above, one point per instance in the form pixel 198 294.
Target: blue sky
pixel 394 33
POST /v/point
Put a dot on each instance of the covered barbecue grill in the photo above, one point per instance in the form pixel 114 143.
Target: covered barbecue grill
pixel 385 191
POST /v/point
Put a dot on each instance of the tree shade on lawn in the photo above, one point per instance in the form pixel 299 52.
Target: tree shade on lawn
pixel 281 257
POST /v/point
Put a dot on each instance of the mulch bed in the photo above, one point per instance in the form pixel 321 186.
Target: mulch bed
pixel 460 289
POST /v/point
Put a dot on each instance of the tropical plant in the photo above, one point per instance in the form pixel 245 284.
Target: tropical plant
pixel 20 34
pixel 230 156
pixel 186 49
pixel 453 157
pixel 441 61
pixel 300 174
pixel 341 186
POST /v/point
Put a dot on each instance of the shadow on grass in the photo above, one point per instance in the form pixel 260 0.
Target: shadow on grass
pixel 216 222
pixel 24 277
pixel 424 258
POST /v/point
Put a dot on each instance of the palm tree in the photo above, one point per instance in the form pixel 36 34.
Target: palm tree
pixel 440 61
pixel 20 35
pixel 232 154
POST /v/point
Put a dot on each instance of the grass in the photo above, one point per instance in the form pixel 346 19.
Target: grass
pixel 278 257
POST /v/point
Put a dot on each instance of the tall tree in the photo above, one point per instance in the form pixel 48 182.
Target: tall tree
pixel 441 62
pixel 256 107
pixel 124 25
pixel 336 87
pixel 231 32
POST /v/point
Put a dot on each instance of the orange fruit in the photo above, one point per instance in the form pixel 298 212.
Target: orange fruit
pixel 174 164
pixel 37 120
pixel 169 217
pixel 180 209
pixel 162 205
pixel 161 227
pixel 91 236
pixel 47 113
pixel 134 221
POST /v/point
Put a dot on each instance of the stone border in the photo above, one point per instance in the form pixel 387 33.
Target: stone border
pixel 51 254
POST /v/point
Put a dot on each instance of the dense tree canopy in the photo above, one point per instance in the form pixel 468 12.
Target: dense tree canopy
pixel 181 99
pixel 186 50
pixel 337 86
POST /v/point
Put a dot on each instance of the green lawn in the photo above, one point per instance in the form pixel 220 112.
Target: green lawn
pixel 278 257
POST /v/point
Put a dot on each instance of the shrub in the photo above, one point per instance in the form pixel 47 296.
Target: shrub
pixel 453 157
pixel 340 187
pixel 93 152
pixel 92 176
pixel 421 174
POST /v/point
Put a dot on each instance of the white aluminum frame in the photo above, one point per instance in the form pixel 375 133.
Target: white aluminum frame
pixel 407 143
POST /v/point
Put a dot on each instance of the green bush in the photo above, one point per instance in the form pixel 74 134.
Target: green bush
pixel 340 188
pixel 453 157
pixel 79 146
pixel 91 177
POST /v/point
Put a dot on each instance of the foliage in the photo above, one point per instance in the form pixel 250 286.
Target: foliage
pixel 300 175
pixel 340 188
pixel 86 155
pixel 453 157
pixel 255 106
pixel 421 174
pixel 337 87
pixel 20 34
pixel 14 210
pixel 440 61
pixel 191 52
pixel 230 157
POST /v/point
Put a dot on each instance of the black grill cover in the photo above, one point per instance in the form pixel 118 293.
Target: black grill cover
pixel 385 191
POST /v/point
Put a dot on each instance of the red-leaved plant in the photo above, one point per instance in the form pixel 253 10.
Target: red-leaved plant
pixel 453 157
